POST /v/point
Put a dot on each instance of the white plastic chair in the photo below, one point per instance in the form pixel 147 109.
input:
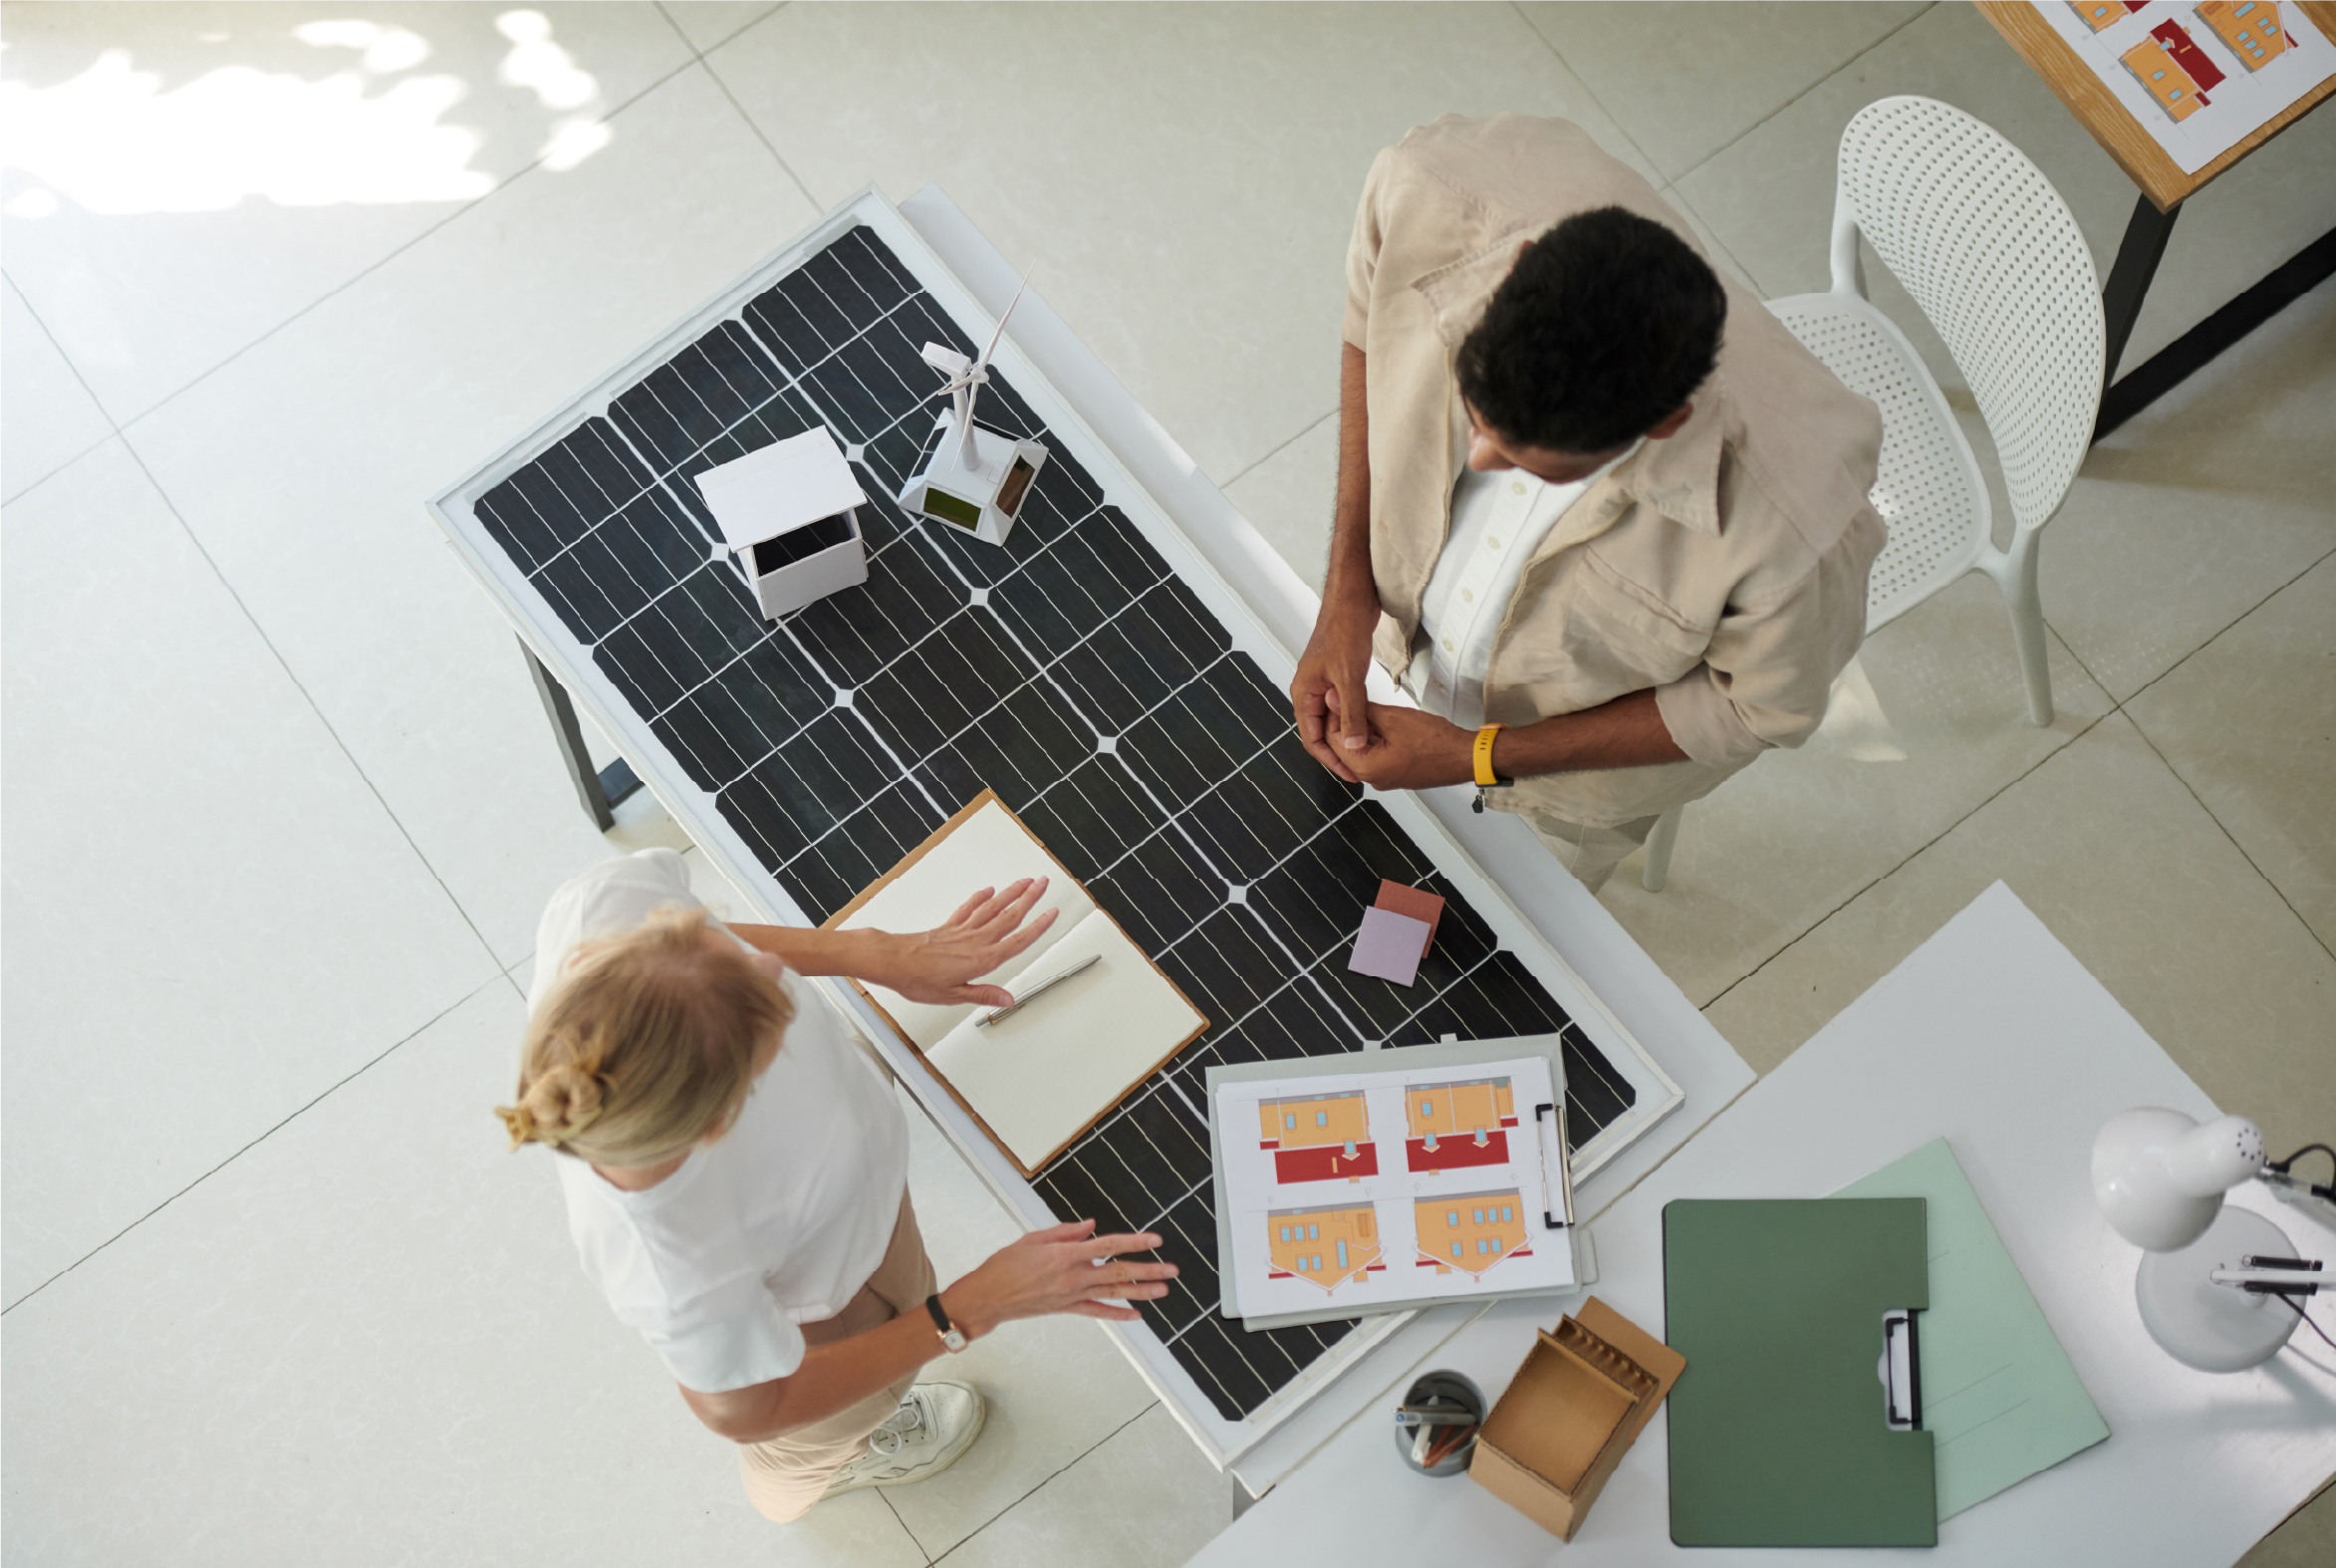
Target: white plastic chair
pixel 1993 258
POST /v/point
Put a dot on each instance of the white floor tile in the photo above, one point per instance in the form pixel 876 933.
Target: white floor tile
pixel 1714 249
pixel 210 917
pixel 2120 860
pixel 368 1341
pixel 1686 80
pixel 2249 723
pixel 303 466
pixel 1183 178
pixel 1143 1499
pixel 1931 724
pixel 47 417
pixel 1055 1387
pixel 1289 497
pixel 707 24
pixel 192 176
pixel 2203 506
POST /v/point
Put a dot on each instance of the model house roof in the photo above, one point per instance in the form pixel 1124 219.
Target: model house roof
pixel 780 487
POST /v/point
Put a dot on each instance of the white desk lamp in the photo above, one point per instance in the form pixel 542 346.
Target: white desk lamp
pixel 2206 1286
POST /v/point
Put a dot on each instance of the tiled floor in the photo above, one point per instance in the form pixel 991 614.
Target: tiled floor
pixel 282 808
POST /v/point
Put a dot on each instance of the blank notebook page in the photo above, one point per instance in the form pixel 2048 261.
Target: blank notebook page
pixel 1040 1075
pixel 988 850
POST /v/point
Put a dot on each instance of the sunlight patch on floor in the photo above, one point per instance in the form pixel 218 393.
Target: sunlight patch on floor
pixel 112 142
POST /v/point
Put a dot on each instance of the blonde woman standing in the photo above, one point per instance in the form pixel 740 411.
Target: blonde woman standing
pixel 737 1176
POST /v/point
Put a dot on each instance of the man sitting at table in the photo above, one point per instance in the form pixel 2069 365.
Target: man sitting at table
pixel 1598 511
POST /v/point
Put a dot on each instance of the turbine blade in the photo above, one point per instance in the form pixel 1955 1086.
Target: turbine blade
pixel 983 361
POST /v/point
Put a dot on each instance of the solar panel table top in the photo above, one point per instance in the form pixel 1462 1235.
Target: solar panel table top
pixel 1095 671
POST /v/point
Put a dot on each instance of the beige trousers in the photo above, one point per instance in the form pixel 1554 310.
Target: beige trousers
pixel 1591 853
pixel 786 1476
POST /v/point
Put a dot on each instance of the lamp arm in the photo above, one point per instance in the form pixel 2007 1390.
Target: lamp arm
pixel 2281 1276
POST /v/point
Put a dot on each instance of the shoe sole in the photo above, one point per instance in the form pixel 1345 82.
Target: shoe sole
pixel 949 1456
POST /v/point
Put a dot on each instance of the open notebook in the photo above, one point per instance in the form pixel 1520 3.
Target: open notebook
pixel 1038 1078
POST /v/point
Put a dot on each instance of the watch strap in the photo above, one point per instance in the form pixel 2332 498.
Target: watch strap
pixel 1482 754
pixel 940 1318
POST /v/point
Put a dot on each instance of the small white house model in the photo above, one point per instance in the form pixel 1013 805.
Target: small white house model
pixel 786 515
pixel 975 479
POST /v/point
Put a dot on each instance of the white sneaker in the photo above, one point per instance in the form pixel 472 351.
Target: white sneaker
pixel 937 1423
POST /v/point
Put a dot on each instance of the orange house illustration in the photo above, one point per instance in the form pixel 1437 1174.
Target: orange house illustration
pixel 1318 1137
pixel 2249 29
pixel 1455 1124
pixel 1323 1246
pixel 1470 1231
pixel 2163 78
pixel 2099 14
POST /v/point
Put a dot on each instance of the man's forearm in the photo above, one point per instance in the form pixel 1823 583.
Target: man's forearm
pixel 1347 581
pixel 1628 732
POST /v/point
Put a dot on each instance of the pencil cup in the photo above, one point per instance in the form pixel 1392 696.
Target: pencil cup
pixel 1444 1390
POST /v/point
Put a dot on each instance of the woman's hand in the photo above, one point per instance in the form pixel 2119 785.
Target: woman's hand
pixel 938 966
pixel 1065 1268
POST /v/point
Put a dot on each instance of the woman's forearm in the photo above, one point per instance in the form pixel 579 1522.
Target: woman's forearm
pixel 831 1380
pixel 808 950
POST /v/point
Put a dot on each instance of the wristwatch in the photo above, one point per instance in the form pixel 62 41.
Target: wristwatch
pixel 952 1335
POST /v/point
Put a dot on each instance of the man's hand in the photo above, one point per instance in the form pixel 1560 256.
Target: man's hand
pixel 1412 750
pixel 1064 1268
pixel 1328 685
pixel 938 966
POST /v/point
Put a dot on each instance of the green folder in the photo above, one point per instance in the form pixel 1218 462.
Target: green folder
pixel 2001 1399
pixel 1779 1427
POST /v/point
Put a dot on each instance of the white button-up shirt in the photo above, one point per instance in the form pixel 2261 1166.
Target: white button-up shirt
pixel 1497 521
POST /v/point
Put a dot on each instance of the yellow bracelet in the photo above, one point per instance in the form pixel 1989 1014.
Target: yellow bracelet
pixel 1486 777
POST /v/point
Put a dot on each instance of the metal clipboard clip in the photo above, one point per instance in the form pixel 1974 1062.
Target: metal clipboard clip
pixel 1565 1174
pixel 1901 1372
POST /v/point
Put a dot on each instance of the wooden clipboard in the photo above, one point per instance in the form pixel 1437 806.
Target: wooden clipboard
pixel 835 920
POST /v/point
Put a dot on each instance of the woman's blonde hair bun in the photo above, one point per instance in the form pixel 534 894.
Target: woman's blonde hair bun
pixel 648 1046
pixel 561 1103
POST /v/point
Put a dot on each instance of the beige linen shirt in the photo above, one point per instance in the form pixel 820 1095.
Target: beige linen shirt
pixel 1724 567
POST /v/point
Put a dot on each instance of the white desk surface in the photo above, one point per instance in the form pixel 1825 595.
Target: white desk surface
pixel 1704 1065
pixel 1994 1036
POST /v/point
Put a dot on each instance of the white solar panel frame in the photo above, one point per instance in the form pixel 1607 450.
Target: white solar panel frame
pixel 572 664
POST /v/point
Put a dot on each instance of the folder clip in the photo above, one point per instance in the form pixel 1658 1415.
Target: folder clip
pixel 1565 1176
pixel 1901 1372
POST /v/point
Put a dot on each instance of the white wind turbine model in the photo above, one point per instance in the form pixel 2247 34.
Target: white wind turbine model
pixel 979 480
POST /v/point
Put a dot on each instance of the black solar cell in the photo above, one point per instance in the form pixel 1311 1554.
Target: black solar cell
pixel 1070 671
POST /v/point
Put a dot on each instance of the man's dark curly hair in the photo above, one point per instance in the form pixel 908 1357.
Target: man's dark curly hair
pixel 1606 324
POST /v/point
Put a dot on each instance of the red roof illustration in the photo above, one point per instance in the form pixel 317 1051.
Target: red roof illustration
pixel 2189 56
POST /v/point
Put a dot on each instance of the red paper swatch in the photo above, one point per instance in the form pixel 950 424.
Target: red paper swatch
pixel 1417 903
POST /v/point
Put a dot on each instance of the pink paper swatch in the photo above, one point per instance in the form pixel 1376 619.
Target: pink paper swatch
pixel 1390 946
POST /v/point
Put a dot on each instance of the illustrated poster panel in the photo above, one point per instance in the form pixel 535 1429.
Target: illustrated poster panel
pixel 1373 1190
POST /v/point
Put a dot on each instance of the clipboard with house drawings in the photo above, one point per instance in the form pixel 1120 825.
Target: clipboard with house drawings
pixel 1392 1179
pixel 1037 1078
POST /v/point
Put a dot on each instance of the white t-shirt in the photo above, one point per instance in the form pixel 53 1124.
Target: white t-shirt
pixel 781 1220
pixel 1497 521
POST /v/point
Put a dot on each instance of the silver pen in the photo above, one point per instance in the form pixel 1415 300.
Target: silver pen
pixel 1036 991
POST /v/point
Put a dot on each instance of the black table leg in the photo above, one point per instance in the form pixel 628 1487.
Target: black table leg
pixel 2138 255
pixel 598 791
pixel 2303 272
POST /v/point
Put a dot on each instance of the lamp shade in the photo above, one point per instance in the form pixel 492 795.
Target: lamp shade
pixel 2159 1175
